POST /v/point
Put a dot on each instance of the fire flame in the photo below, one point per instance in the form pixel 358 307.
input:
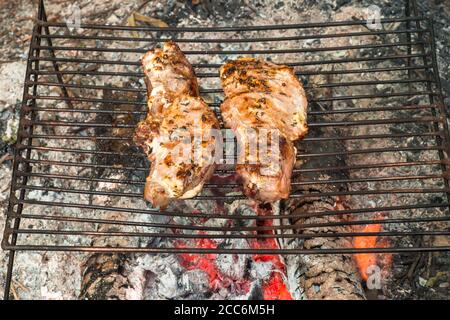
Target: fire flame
pixel 365 261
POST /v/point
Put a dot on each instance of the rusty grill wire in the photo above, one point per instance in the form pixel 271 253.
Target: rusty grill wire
pixel 407 63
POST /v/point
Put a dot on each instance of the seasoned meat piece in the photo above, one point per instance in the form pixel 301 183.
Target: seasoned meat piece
pixel 180 132
pixel 168 74
pixel 267 110
pixel 266 176
pixel 263 97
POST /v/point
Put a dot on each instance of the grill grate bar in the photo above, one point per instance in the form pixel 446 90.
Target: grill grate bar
pixel 195 250
pixel 296 170
pixel 234 40
pixel 231 236
pixel 310 124
pixel 216 105
pixel 293 195
pixel 352 110
pixel 227 29
pixel 219 90
pixel 216 75
pixel 303 156
pixel 236 52
pixel 305 226
pixel 233 185
pixel 216 66
pixel 235 217
pixel 319 139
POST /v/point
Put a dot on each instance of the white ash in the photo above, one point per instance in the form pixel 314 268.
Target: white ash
pixel 40 275
pixel 10 134
pixel 11 78
pixel 163 278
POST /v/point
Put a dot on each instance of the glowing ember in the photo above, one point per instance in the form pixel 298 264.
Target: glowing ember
pixel 274 288
pixel 206 263
pixel 365 261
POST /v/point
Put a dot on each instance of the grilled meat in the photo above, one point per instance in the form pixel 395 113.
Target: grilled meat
pixel 264 98
pixel 168 74
pixel 180 132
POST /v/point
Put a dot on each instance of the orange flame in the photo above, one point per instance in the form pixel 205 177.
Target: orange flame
pixel 365 260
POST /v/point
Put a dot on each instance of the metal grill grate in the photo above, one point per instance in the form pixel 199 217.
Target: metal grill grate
pixel 84 95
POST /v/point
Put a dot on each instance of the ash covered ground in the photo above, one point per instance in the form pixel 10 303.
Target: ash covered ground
pixel 38 275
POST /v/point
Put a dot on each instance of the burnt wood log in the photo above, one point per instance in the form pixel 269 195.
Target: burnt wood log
pixel 323 276
pixel 105 275
pixel 326 276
